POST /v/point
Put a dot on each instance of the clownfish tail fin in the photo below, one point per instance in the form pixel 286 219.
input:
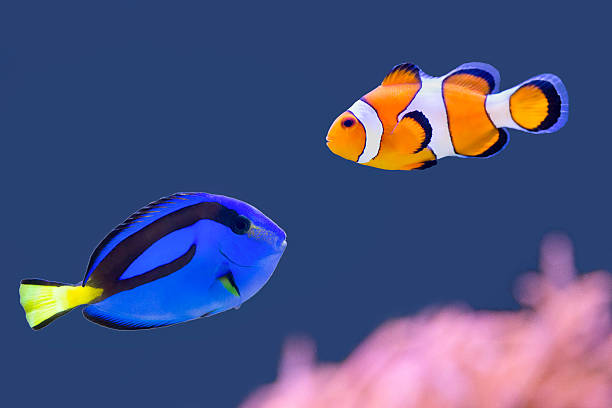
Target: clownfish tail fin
pixel 538 105
pixel 45 301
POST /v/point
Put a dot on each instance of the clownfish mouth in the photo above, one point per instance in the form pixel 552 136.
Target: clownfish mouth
pixel 234 262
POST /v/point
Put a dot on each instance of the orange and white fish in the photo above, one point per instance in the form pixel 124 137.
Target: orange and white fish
pixel 412 119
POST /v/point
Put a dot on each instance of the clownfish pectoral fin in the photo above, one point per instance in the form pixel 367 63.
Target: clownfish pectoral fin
pixel 405 73
pixel 229 283
pixel 412 133
pixel 420 165
pixel 477 76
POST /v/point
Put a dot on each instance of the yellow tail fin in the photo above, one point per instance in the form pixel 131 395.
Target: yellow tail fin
pixel 45 301
pixel 540 105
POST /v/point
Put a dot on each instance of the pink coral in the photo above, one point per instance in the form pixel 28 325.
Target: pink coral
pixel 555 353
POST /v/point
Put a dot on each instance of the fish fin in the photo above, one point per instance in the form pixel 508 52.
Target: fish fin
pixel 107 319
pixel 229 283
pixel 419 161
pixel 420 165
pixel 540 104
pixel 213 312
pixel 413 131
pixel 477 76
pixel 495 144
pixel 426 165
pixel 405 73
pixel 140 219
pixel 45 301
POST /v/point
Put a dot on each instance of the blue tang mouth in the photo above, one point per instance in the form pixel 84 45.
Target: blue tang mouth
pixel 279 251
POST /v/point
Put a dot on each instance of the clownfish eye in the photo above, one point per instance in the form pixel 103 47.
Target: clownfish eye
pixel 241 225
pixel 348 123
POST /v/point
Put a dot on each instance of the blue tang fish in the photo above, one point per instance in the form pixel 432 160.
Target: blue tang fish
pixel 182 257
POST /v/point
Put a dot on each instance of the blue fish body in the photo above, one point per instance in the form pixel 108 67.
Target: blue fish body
pixel 182 257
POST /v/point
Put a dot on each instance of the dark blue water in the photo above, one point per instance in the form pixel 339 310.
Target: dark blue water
pixel 104 108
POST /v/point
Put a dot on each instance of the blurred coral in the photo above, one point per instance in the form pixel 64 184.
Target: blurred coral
pixel 556 353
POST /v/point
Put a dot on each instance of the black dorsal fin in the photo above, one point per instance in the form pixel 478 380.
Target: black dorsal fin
pixel 140 218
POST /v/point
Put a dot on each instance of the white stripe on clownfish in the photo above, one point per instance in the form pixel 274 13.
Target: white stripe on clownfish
pixel 373 126
pixel 430 102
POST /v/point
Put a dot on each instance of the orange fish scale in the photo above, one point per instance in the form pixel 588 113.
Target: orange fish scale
pixel 471 130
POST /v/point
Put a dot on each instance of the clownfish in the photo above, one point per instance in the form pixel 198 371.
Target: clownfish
pixel 412 119
pixel 182 257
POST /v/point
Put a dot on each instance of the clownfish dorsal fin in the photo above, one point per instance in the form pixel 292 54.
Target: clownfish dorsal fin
pixel 402 74
pixel 476 76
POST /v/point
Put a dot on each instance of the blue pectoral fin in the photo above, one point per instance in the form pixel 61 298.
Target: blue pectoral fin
pixel 114 321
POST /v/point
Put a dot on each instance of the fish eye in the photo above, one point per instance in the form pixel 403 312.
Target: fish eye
pixel 348 122
pixel 241 225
